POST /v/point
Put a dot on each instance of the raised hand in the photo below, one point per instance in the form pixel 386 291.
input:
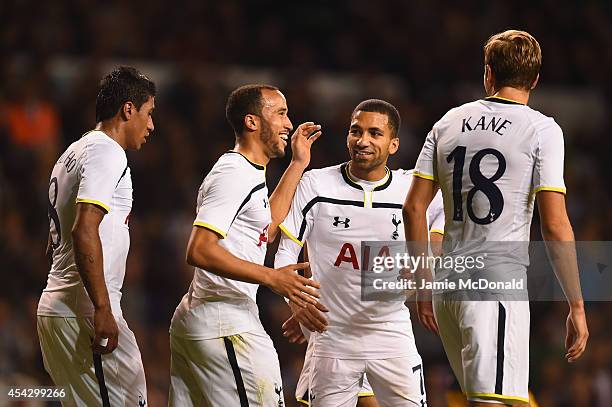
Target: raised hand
pixel 301 141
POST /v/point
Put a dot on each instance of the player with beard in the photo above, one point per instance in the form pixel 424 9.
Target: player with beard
pixel 336 209
pixel 220 353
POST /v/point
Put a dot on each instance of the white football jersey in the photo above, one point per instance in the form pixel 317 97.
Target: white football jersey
pixel 490 157
pixel 233 202
pixel 94 170
pixel 333 213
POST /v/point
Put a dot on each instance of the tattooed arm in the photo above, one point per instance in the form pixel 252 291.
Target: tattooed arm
pixel 89 262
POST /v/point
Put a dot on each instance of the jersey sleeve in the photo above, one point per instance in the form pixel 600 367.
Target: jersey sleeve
pixel 100 172
pixel 549 154
pixel 425 165
pixel 298 223
pixel 223 194
pixel 435 213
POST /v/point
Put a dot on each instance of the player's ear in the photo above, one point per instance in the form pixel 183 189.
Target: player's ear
pixel 394 145
pixel 250 122
pixel 127 110
pixel 535 82
pixel 489 80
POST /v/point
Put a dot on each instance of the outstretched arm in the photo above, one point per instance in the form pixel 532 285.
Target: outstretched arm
pixel 559 236
pixel 204 251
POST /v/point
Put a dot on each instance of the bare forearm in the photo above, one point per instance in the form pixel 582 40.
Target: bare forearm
pixel 219 261
pixel 49 251
pixel 280 200
pixel 90 265
pixel 559 238
pixel 415 229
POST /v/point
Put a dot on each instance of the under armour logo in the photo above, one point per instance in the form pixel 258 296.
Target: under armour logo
pixel 263 236
pixel 278 389
pixel 141 402
pixel 396 222
pixel 344 222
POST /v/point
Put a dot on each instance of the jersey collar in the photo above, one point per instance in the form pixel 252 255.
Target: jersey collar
pixel 347 178
pixel 505 101
pixel 258 166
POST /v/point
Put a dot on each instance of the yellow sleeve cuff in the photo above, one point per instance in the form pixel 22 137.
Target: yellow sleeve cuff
pixel 211 227
pixel 425 176
pixel 94 202
pixel 554 189
pixel 289 235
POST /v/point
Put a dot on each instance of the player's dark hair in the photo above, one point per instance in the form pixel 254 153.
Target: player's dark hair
pixel 382 107
pixel 514 57
pixel 123 84
pixel 242 101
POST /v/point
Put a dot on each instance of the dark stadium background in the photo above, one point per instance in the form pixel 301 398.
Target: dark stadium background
pixel 423 56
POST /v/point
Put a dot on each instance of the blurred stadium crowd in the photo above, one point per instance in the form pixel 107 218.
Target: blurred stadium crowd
pixel 423 56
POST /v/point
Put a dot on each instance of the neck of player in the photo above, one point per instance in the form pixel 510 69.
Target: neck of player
pixel 371 174
pixel 112 129
pixel 253 151
pixel 514 94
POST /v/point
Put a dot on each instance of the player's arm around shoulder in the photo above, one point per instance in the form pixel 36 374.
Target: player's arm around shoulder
pixel 559 236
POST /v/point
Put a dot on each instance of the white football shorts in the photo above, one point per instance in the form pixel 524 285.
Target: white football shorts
pixel 237 370
pixel 396 382
pixel 115 379
pixel 487 344
pixel 301 391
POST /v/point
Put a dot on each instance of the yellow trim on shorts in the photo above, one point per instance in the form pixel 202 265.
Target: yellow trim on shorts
pixel 497 397
pixel 290 236
pixel 211 227
pixel 94 202
pixel 425 176
pixel 300 400
pixel 436 231
pixel 554 189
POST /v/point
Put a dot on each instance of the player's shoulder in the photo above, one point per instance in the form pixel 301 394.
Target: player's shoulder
pixel 454 113
pixel 541 122
pixel 232 162
pixel 97 144
pixel 402 177
pixel 402 174
pixel 322 176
